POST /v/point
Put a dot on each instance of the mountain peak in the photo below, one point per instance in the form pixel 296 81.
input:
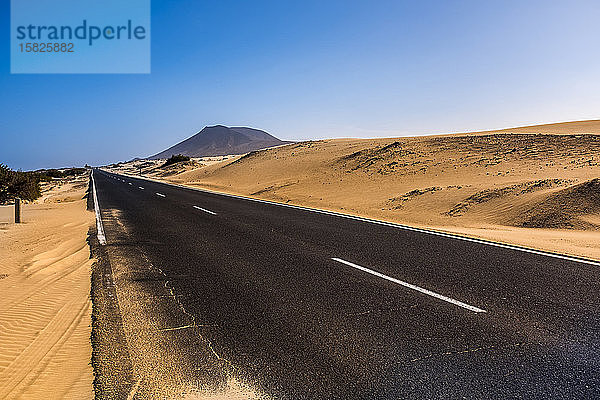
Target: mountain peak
pixel 219 126
pixel 220 140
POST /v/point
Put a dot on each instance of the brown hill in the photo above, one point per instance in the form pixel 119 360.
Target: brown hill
pixel 220 140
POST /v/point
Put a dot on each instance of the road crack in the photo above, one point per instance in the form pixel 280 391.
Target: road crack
pixel 473 350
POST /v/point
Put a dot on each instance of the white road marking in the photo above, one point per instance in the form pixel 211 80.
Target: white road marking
pixel 160 194
pixel 393 225
pixel 141 187
pixel 99 227
pixel 411 286
pixel 205 210
pixel 129 183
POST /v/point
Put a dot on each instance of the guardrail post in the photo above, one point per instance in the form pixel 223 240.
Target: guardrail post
pixel 17 210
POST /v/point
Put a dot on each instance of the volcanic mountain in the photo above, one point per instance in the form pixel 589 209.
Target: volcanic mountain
pixel 221 140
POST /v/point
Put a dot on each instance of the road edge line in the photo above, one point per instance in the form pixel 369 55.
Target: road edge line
pixel 99 226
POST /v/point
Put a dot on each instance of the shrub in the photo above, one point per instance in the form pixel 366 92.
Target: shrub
pixel 73 171
pixel 25 185
pixel 175 159
pixel 49 174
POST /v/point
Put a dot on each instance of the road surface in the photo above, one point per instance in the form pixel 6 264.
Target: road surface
pixel 292 303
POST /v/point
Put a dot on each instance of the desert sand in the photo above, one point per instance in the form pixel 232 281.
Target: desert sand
pixel 530 186
pixel 560 128
pixel 45 308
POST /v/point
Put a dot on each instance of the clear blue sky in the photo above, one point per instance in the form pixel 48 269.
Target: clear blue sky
pixel 312 69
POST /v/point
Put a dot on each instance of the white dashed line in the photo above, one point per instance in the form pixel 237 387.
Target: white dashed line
pixel 129 183
pixel 205 210
pixel 160 194
pixel 141 187
pixel 411 286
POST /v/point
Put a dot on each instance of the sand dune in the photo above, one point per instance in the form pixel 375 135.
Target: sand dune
pixel 497 186
pixel 559 128
pixel 575 207
pixel 45 310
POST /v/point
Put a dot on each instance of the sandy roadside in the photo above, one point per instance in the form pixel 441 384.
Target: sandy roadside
pixel 45 307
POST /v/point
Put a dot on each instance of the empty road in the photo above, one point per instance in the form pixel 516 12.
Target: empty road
pixel 296 304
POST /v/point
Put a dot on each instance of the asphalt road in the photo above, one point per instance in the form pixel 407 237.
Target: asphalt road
pixel 304 304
